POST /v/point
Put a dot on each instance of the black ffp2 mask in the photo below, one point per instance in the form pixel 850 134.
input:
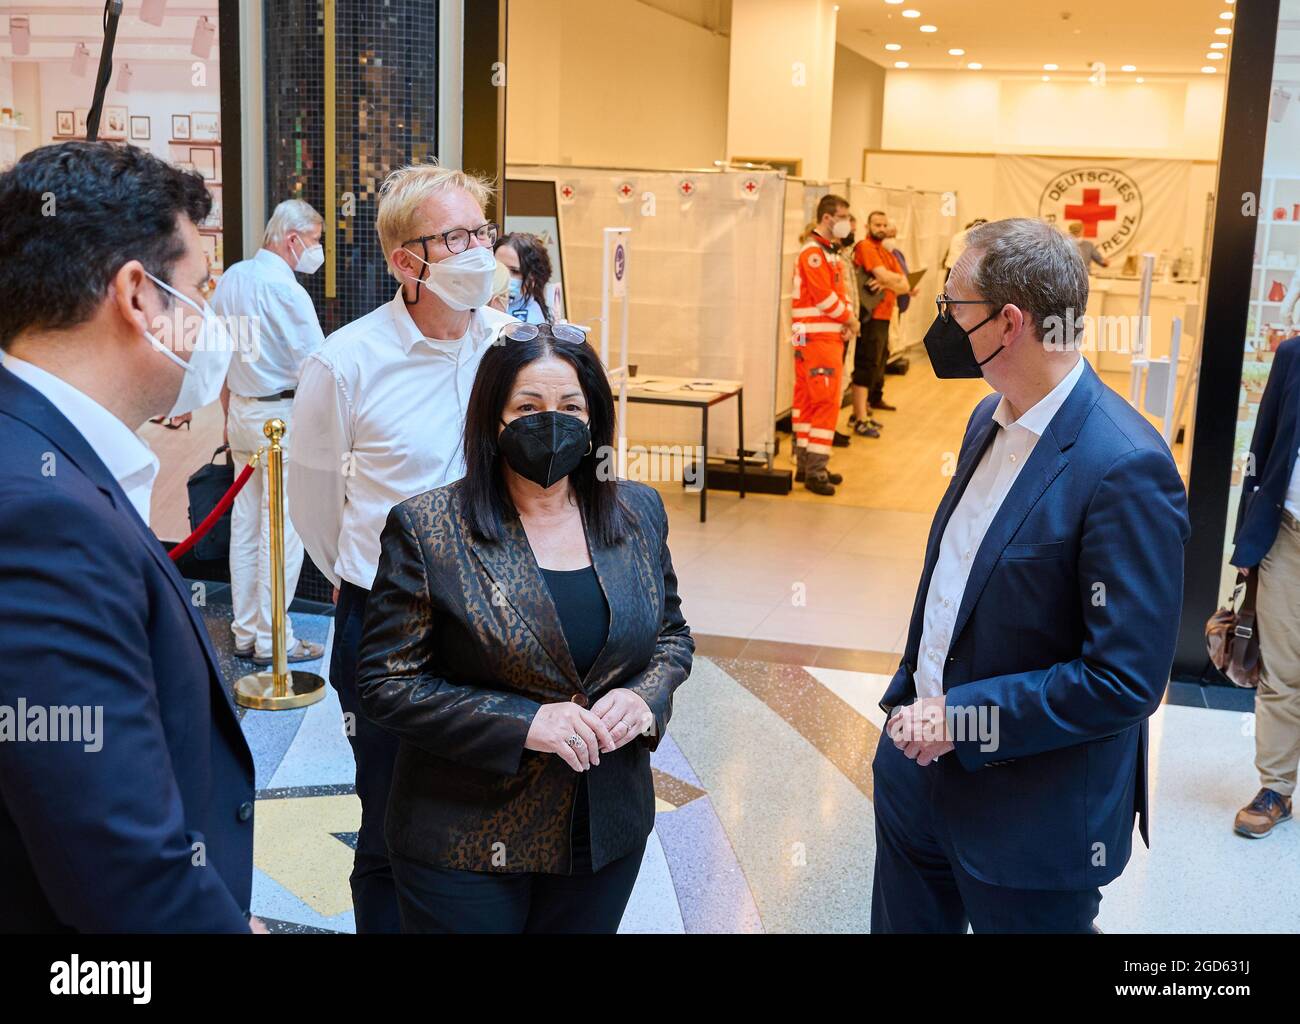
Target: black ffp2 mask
pixel 546 446
pixel 952 356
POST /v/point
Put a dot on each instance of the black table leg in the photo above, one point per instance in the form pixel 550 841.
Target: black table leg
pixel 704 463
pixel 740 435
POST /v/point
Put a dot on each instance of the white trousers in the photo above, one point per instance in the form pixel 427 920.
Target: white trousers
pixel 250 529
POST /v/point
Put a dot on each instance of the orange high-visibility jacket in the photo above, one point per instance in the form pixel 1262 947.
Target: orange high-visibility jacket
pixel 821 300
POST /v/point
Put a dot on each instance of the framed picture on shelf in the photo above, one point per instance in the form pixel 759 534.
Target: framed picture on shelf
pixel 80 117
pixel 210 250
pixel 205 126
pixel 139 128
pixel 205 162
pixel 114 123
pixel 65 123
pixel 214 218
pixel 181 127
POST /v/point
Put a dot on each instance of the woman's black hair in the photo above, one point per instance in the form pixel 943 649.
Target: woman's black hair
pixel 534 266
pixel 487 501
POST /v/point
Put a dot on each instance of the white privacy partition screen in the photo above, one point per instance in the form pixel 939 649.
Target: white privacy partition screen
pixel 704 282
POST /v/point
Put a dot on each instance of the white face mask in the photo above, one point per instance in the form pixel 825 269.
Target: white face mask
pixel 311 259
pixel 205 371
pixel 841 228
pixel 462 281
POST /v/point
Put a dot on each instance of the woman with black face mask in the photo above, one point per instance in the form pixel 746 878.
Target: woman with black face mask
pixel 524 638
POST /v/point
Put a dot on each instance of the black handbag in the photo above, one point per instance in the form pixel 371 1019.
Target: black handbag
pixel 207 485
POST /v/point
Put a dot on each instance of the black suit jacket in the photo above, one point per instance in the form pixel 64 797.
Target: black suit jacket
pixel 462 644
pixel 1273 457
pixel 154 831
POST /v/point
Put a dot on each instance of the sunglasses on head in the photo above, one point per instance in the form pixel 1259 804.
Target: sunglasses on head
pixel 559 332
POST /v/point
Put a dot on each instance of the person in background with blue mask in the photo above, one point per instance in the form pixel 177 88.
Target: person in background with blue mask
pixel 379 414
pixel 141 818
pixel 526 258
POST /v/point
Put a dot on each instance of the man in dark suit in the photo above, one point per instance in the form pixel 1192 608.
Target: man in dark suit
pixel 126 787
pixel 1268 543
pixel 1014 758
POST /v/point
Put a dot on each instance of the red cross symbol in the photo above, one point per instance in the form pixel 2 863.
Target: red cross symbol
pixel 625 190
pixel 751 186
pixel 1091 212
pixel 686 188
pixel 567 191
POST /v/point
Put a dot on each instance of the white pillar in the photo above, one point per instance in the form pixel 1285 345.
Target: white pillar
pixel 782 81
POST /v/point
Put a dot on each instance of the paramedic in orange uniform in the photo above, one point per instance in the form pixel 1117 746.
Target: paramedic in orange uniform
pixel 822 317
pixel 886 279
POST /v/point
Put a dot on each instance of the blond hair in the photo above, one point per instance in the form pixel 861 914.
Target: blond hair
pixel 404 192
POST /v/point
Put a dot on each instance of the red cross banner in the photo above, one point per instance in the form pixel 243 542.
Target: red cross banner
pixel 686 188
pixel 749 186
pixel 626 191
pixel 1123 205
pixel 568 193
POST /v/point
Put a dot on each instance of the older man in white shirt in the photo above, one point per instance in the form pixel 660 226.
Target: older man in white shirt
pixel 284 331
pixel 380 415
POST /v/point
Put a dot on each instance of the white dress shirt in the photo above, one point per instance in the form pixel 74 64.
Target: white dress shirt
pixel 989 485
pixel 379 417
pixel 133 464
pixel 1292 501
pixel 288 330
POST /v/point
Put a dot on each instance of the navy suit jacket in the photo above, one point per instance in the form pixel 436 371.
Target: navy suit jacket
pixel 1064 641
pixel 1273 456
pixel 154 831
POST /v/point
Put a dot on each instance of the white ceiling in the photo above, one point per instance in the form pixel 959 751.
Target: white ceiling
pixel 1157 36
pixel 57 27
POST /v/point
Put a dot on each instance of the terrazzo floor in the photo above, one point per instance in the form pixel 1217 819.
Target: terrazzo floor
pixel 764 820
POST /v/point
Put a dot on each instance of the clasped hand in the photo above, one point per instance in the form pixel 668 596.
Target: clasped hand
pixel 920 730
pixel 612 722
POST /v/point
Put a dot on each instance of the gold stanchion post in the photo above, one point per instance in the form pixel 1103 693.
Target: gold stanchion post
pixel 278 689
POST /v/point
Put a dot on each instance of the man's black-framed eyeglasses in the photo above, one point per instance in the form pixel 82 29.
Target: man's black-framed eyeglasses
pixel 944 305
pixel 457 239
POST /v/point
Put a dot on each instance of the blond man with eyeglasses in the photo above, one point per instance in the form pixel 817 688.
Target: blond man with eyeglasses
pixel 379 415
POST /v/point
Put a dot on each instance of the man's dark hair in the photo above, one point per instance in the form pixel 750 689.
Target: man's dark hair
pixel 487 501
pixel 830 203
pixel 877 213
pixel 72 214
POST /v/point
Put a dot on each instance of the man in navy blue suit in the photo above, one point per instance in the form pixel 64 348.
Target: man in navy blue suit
pixel 126 787
pixel 1013 761
pixel 1268 543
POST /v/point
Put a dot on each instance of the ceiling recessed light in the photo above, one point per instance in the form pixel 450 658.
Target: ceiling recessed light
pixel 1049 67
pixel 974 65
pixel 903 64
pixel 893 1
pixel 910 13
pixel 1140 80
pixel 1223 31
pixel 929 28
pixel 1218 46
pixel 891 47
pixel 1047 78
pixel 1208 70
pixel 956 51
pixel 1214 55
pixel 1129 67
pixel 1225 15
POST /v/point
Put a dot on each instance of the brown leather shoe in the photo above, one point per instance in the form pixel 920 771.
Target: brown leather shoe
pixel 1257 818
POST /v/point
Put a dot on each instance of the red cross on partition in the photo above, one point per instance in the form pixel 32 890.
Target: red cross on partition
pixel 751 186
pixel 625 190
pixel 567 191
pixel 686 188
pixel 1090 212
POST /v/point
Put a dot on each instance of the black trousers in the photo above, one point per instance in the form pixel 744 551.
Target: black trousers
pixel 374 897
pixel 920 885
pixel 442 901
pixel 869 358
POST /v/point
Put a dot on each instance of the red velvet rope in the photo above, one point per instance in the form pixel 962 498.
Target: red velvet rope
pixel 226 500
